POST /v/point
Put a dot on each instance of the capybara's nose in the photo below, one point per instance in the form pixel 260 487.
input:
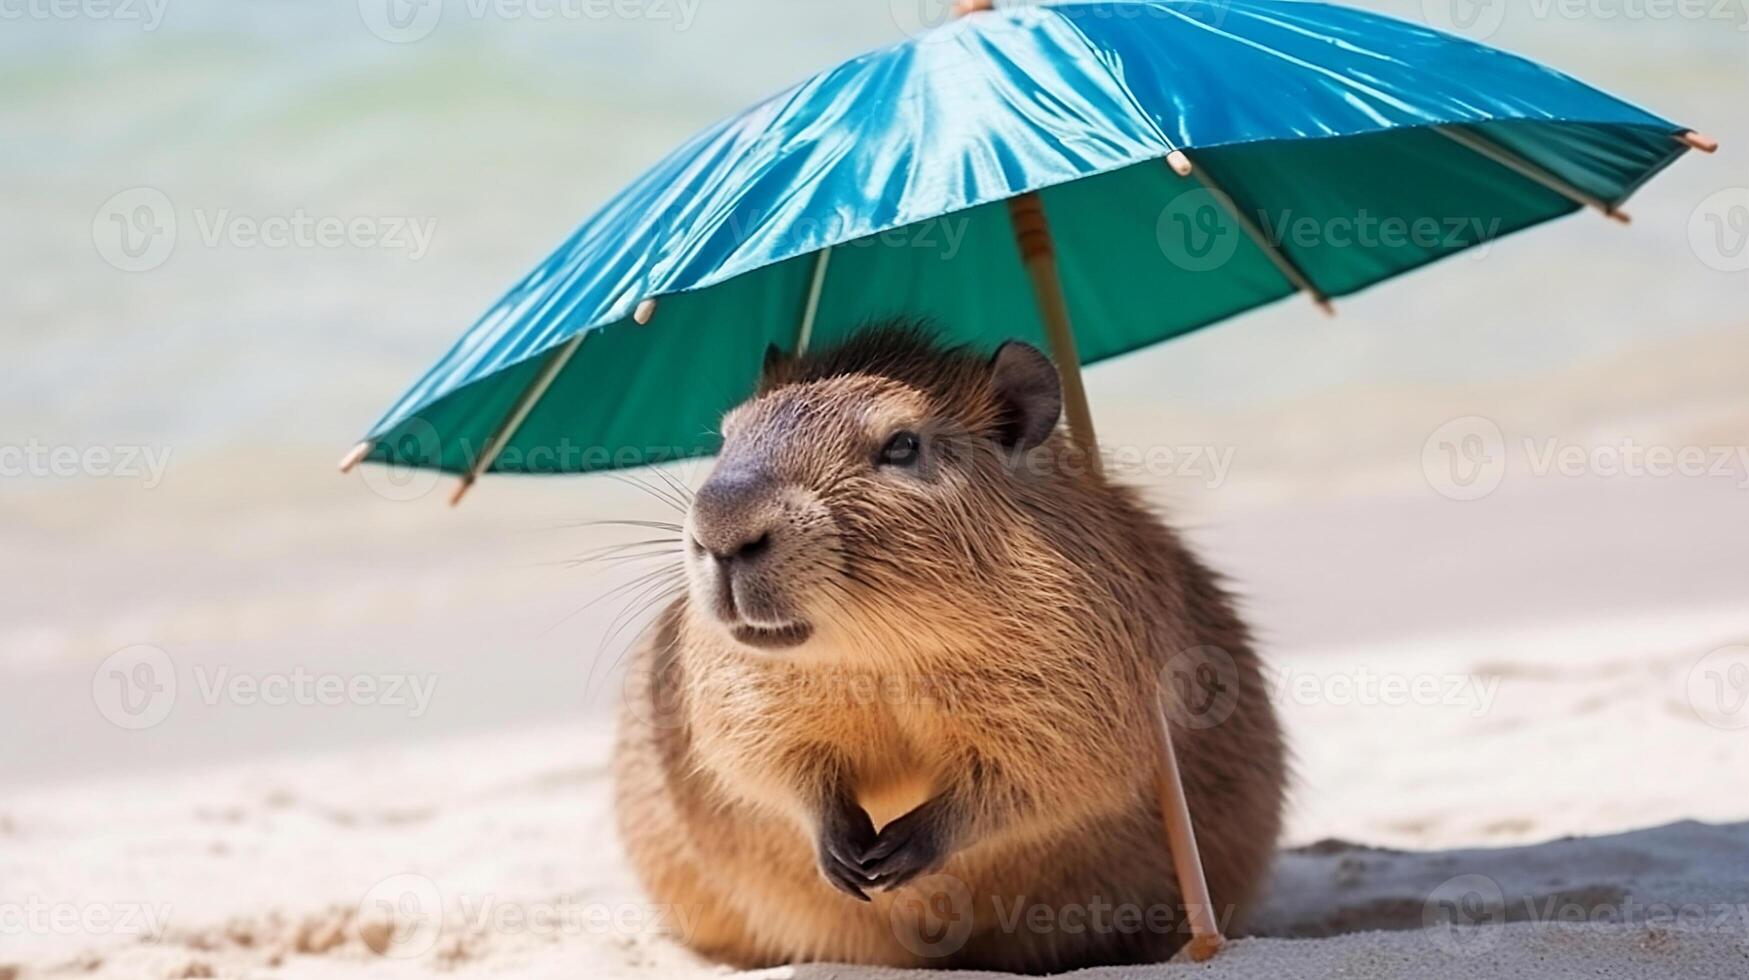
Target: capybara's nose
pixel 734 515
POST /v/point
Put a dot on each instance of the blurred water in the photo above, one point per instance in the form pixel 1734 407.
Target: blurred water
pixel 498 133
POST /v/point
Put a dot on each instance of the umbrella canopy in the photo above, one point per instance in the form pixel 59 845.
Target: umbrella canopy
pixel 1332 149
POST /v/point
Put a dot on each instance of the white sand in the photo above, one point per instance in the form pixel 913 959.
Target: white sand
pixel 263 869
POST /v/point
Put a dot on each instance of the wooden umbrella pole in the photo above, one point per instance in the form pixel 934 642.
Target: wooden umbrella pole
pixel 1038 254
pixel 1040 258
pixel 1205 930
pixel 1528 169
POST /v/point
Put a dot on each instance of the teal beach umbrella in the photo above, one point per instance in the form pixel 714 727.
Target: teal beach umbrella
pixel 1093 177
pixel 1178 148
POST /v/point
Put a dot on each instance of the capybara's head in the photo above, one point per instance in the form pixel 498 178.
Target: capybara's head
pixel 866 495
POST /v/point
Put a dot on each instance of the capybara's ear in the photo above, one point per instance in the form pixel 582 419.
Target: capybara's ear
pixel 1030 393
pixel 772 373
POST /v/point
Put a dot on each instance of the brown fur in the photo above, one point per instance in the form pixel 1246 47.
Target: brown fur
pixel 993 635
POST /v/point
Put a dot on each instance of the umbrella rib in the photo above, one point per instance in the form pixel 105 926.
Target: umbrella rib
pixel 1528 169
pixel 1181 165
pixel 518 414
pixel 811 308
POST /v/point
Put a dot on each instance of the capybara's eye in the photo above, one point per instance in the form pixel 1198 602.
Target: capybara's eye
pixel 902 450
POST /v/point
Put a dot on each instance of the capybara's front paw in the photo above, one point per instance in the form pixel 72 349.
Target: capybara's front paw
pixel 845 833
pixel 907 847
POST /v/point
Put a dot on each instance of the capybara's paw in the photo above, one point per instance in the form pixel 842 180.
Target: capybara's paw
pixel 845 833
pixel 909 846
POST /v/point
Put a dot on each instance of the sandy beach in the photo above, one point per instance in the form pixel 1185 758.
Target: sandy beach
pixel 1574 812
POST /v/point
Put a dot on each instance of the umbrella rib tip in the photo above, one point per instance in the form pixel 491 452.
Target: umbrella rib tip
pixel 1698 141
pixel 356 455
